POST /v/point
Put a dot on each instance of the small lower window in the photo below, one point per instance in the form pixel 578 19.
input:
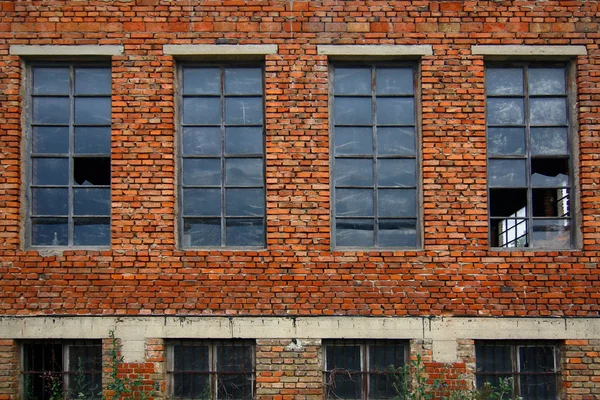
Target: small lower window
pixel 65 369
pixel 532 366
pixel 205 370
pixel 360 369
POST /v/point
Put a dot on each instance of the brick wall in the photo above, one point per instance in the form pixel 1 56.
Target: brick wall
pixel 580 363
pixel 9 366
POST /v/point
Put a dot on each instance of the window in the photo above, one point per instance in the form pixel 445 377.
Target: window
pixel 359 369
pixel 532 365
pixel 69 163
pixel 221 370
pixel 73 367
pixel 529 156
pixel 374 156
pixel 222 156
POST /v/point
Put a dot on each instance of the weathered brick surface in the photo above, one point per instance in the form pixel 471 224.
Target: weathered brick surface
pixel 581 363
pixel 9 367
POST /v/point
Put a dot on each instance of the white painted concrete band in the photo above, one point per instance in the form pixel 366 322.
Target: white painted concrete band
pixel 76 50
pixel 375 50
pixel 523 51
pixel 218 49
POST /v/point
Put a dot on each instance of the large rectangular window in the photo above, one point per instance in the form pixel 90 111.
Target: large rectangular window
pixel 530 176
pixel 374 162
pixel 532 366
pixel 222 156
pixel 69 155
pixel 363 369
pixel 65 369
pixel 211 370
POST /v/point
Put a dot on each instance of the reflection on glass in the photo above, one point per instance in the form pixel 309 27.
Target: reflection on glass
pixel 244 232
pixel 50 139
pixel 354 232
pixel 354 172
pixel 201 110
pixel 201 81
pixel 51 80
pixel 398 81
pixel 397 202
pixel 49 232
pixel 202 202
pixel 354 202
pixel 353 140
pixel 395 111
pixel 352 111
pixel 201 140
pixel 201 171
pixel 352 81
pixel 507 173
pixel 91 232
pixel 243 81
pixel 93 81
pixel 506 141
pixel 504 81
pixel 201 232
pixel 396 172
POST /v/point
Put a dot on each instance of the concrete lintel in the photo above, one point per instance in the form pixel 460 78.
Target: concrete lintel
pixel 75 50
pixel 529 51
pixel 375 50
pixel 219 49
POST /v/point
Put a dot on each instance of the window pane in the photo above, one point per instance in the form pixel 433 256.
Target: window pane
pixel 50 171
pixel 243 81
pixel 550 202
pixel 50 80
pixel 91 171
pixel 549 141
pixel 507 173
pixel 354 202
pixel 395 111
pixel 243 140
pixel 244 110
pixel 397 202
pixel 354 232
pixel 548 172
pixel 398 233
pixel 506 202
pixel 202 171
pixel 396 141
pixel 51 110
pixel 191 357
pixel 92 110
pixel 353 140
pixel 397 81
pixel 552 233
pixel 504 81
pixel 244 172
pixel 91 201
pixel 353 172
pixel 50 139
pixel 344 366
pixel 505 111
pixel 204 202
pixel 91 232
pixel 548 111
pixel 50 201
pixel 49 232
pixel 396 172
pixel 191 386
pixel 543 81
pixel 506 141
pixel 92 140
pixel 201 232
pixel 244 232
pixel 93 81
pixel 493 358
pixel 352 111
pixel 201 140
pixel 201 81
pixel 244 202
pixel 352 81
pixel 202 110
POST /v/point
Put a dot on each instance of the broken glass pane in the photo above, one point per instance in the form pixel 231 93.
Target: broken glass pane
pixel 549 172
pixel 353 140
pixel 201 171
pixel 92 110
pixel 354 202
pixel 203 202
pixel 201 232
pixel 50 171
pixel 244 202
pixel 352 111
pixel 50 201
pixel 549 141
pixel 396 172
pixel 244 232
pixel 91 171
pixel 91 201
pixel 395 111
pixel 544 81
pixel 243 110
pixel 54 81
pixel 354 232
pixel 507 202
pixel 91 232
pixel 552 233
pixel 201 140
pixel 50 139
pixel 548 111
pixel 243 81
pixel 352 81
pixel 507 173
pixel 244 172
pixel 49 231
pixel 506 141
pixel 396 141
pixel 504 81
pixel 398 81
pixel 353 172
pixel 398 232
pixel 51 110
pixel 505 111
pixel 92 140
pixel 243 140
pixel 202 110
pixel 201 81
pixel 397 202
pixel 93 81
pixel 550 202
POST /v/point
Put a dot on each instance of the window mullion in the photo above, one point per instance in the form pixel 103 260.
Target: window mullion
pixel 375 157
pixel 71 192
pixel 223 127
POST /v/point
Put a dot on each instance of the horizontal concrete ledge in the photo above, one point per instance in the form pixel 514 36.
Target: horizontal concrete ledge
pixel 528 51
pixel 218 49
pixel 375 50
pixel 51 50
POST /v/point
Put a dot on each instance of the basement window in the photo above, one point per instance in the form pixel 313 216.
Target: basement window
pixel 533 367
pixel 530 180
pixel 69 155
pixel 211 370
pixel 363 369
pixel 71 368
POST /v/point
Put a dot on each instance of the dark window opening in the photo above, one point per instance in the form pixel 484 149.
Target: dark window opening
pixel 92 171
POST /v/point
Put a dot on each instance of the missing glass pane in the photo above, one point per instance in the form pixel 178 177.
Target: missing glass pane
pixel 91 171
pixel 549 172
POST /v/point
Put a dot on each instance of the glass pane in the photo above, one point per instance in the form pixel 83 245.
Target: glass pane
pixel 533 360
pixel 51 80
pixel 201 141
pixel 92 110
pixel 535 387
pixel 507 173
pixel 202 110
pixel 49 232
pixel 50 201
pixel 396 141
pixel 504 81
pixel 201 232
pixel 354 232
pixel 354 202
pixel 93 81
pixel 235 387
pixel 244 110
pixel 245 232
pixel 92 140
pixel 395 111
pixel 548 172
pixel 549 141
pixel 232 357
pixel 244 172
pixel 202 171
pixel 244 202
pixel 91 232
pixel 50 139
pixel 352 111
pixel 398 233
pixel 550 202
pixel 191 386
pixel 396 172
pixel 50 171
pixel 243 81
pixel 344 357
pixel 353 140
pixel 353 172
pixel 397 203
pixel 244 140
pixel 352 81
pixel 547 81
pixel 201 81
pixel 552 233
pixel 492 358
pixel 205 202
pixel 548 111
pixel 51 110
pixel 505 111
pixel 91 201
pixel 394 81
pixel 506 141
pixel 91 171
